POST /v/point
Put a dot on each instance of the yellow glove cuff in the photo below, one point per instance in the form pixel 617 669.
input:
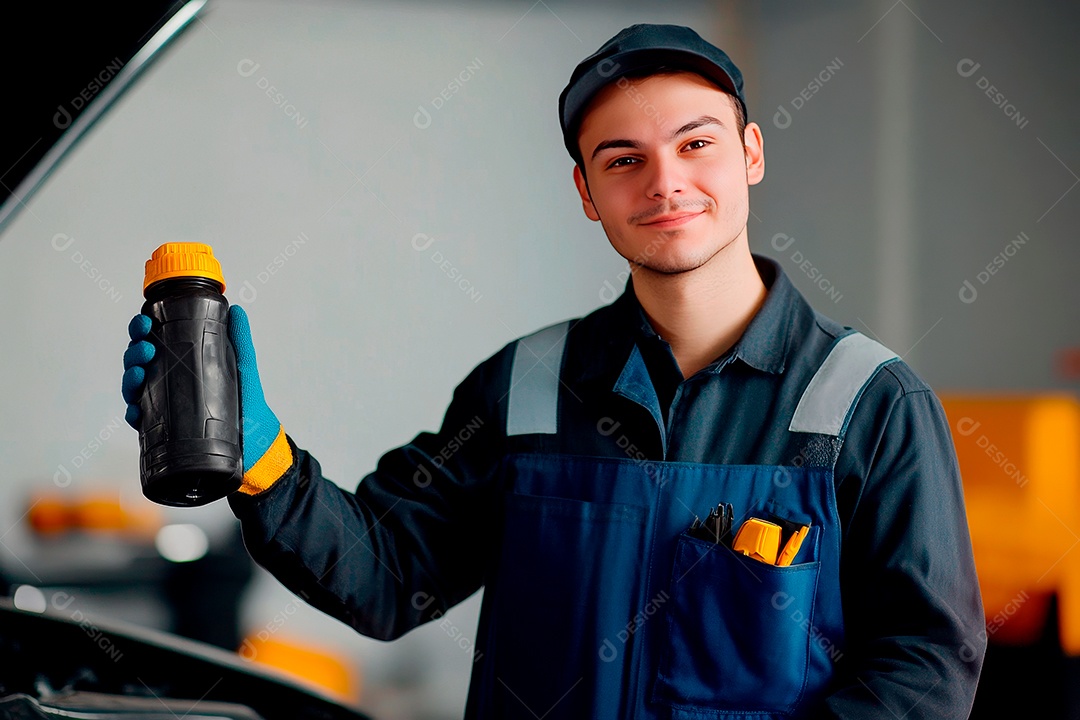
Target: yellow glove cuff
pixel 268 469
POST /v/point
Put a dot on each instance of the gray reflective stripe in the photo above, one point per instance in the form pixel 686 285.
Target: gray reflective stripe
pixel 533 406
pixel 836 386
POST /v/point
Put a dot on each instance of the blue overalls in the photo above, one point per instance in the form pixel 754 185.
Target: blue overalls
pixel 601 605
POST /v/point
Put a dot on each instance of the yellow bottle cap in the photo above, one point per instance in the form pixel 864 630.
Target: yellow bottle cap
pixel 183 259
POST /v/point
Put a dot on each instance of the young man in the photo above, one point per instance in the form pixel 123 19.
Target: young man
pixel 704 500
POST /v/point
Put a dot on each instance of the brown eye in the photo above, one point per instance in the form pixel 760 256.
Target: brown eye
pixel 622 162
pixel 697 144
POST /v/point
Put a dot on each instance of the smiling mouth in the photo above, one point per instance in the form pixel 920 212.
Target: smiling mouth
pixel 675 220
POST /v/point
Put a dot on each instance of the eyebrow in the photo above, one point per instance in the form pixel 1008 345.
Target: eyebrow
pixel 625 143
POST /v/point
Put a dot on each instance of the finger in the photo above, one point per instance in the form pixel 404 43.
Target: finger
pixel 131 386
pixel 132 416
pixel 139 327
pixel 239 329
pixel 138 353
pixel 240 336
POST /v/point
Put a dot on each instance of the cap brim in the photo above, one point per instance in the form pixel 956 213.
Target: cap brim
pixel 581 92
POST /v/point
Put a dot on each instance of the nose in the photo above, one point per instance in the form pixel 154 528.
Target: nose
pixel 666 178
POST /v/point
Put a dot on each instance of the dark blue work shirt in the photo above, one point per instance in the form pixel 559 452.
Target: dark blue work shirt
pixel 421 532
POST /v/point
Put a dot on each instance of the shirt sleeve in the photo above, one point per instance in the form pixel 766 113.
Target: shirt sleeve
pixel 410 542
pixel 913 613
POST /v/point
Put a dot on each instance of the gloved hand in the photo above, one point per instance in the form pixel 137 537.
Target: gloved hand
pixel 139 352
pixel 267 454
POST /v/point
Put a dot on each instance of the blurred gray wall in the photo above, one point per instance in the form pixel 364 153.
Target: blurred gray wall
pixel 387 190
pixel 937 140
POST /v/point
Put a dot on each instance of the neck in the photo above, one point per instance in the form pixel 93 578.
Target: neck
pixel 702 313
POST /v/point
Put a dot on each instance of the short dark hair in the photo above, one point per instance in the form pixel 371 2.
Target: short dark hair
pixel 736 104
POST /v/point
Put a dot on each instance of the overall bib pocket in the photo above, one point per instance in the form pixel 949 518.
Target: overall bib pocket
pixel 569 582
pixel 739 630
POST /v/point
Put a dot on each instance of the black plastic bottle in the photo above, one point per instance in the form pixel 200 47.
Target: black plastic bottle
pixel 189 433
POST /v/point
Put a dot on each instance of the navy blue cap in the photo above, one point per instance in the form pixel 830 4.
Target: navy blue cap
pixel 641 48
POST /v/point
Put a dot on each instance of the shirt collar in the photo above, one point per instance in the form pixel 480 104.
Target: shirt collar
pixel 764 345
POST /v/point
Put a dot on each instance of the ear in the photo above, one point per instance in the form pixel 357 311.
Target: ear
pixel 754 150
pixel 586 197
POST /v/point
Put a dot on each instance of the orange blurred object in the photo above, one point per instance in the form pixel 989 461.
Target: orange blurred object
pixel 99 513
pixel 1019 458
pixel 53 513
pixel 48 514
pixel 316 666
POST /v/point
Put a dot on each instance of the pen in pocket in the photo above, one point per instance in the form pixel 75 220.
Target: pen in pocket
pixel 774 542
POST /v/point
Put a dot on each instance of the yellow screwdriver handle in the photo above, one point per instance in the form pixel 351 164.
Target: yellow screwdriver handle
pixel 792 548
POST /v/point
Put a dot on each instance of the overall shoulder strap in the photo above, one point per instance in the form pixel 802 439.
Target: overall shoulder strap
pixel 829 399
pixel 533 405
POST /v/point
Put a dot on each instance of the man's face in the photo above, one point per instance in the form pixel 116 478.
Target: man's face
pixel 668 174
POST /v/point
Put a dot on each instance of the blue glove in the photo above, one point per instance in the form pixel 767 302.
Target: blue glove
pixel 267 454
pixel 139 352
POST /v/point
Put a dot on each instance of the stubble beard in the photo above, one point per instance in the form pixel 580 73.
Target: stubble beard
pixel 650 259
